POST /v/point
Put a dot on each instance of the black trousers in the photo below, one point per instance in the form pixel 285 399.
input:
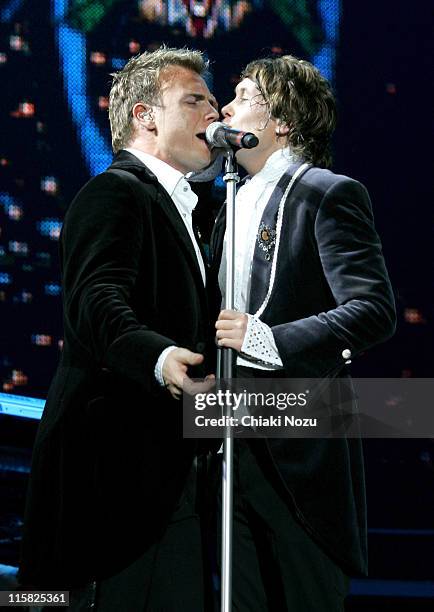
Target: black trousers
pixel 168 577
pixel 277 567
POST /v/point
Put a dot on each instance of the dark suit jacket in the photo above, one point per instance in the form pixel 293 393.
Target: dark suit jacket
pixel 109 460
pixel 331 292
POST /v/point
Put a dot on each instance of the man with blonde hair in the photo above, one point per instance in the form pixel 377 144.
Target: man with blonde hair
pixel 311 292
pixel 112 502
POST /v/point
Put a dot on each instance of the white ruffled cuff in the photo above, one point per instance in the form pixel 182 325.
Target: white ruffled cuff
pixel 259 343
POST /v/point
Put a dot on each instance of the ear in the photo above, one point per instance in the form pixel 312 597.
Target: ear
pixel 282 128
pixel 144 116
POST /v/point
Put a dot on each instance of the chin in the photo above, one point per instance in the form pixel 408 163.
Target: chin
pixel 240 155
pixel 200 164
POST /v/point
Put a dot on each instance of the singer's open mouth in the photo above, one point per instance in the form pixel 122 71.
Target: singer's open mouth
pixel 201 136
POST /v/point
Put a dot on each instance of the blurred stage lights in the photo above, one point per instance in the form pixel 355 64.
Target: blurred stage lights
pixel 14 212
pixel 50 228
pixel 25 110
pixel 17 43
pixel 42 339
pixel 49 185
pixel 5 278
pixel 134 47
pixel 414 316
pixel 19 379
pixel 19 248
pixel 98 58
pixel 52 289
pixel 103 103
pixel 24 297
pixel 118 63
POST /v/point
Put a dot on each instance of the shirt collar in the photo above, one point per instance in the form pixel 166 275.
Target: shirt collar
pixel 167 176
pixel 275 165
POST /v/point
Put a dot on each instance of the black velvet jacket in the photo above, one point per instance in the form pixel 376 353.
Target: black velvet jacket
pixel 330 293
pixel 109 460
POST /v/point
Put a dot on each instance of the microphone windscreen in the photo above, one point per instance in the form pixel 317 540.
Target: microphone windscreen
pixel 212 134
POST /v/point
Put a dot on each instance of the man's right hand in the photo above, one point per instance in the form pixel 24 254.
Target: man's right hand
pixel 175 367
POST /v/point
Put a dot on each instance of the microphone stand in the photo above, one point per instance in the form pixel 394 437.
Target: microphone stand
pixel 225 370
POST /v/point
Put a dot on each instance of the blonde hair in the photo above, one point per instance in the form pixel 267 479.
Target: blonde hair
pixel 297 94
pixel 139 81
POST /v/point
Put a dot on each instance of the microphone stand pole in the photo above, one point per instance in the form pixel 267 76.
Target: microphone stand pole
pixel 226 363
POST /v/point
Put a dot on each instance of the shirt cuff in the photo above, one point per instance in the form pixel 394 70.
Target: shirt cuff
pixel 158 371
pixel 259 344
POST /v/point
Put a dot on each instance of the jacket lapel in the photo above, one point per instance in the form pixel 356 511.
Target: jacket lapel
pixel 181 232
pixel 128 162
pixel 268 239
pixel 265 245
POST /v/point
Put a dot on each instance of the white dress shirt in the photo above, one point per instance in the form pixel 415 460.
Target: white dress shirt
pixel 259 348
pixel 178 188
pixel 185 200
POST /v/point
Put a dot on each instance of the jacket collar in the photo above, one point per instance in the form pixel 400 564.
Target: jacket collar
pixel 130 163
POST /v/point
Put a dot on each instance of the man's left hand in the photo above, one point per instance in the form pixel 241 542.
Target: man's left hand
pixel 231 329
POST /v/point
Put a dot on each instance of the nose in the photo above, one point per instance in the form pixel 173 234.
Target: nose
pixel 213 114
pixel 227 111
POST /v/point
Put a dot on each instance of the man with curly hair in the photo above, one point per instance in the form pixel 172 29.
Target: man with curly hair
pixel 311 292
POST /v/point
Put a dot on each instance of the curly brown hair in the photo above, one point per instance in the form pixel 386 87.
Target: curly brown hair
pixel 298 95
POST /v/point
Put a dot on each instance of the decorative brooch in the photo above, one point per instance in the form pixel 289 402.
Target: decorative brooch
pixel 266 240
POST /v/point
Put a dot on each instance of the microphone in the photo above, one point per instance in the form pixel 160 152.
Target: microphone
pixel 220 135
